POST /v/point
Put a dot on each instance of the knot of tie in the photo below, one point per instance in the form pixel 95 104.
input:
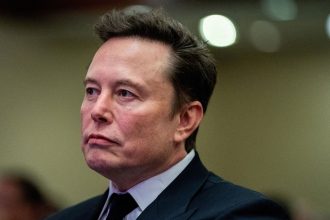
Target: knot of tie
pixel 120 206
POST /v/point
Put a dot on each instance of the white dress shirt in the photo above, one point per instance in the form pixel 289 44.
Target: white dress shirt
pixel 147 191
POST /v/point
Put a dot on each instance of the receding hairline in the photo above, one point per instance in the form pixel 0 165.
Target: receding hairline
pixel 171 53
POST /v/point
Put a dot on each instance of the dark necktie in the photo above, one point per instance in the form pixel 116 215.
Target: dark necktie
pixel 120 206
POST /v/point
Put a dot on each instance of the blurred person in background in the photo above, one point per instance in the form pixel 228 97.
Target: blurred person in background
pixel 21 199
pixel 298 208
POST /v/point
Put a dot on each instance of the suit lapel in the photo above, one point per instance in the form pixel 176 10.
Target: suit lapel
pixel 173 202
pixel 96 211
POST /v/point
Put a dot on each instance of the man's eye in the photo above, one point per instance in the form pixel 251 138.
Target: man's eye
pixel 90 91
pixel 125 93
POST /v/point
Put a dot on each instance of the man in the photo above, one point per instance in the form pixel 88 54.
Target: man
pixel 146 91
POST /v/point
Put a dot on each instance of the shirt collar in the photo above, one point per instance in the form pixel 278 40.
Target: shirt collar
pixel 148 190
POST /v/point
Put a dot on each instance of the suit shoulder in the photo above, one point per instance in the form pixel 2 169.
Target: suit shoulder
pixel 223 198
pixel 218 186
pixel 78 211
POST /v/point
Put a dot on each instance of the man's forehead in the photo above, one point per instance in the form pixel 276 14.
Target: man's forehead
pixel 133 52
pixel 133 45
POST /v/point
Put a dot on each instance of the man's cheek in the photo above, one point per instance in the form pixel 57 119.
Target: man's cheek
pixel 133 123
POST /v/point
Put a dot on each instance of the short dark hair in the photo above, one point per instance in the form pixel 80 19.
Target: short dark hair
pixel 193 72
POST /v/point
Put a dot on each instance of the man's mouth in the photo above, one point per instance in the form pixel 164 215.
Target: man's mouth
pixel 100 140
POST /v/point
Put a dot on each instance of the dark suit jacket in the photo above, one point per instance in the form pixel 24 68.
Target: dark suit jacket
pixel 195 194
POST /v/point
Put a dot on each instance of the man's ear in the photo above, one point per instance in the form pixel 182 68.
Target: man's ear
pixel 190 117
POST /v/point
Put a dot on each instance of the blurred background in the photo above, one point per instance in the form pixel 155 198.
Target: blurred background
pixel 268 124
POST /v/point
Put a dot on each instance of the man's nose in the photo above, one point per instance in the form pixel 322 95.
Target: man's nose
pixel 101 112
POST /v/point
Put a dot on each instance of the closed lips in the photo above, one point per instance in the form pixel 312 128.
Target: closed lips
pixel 100 139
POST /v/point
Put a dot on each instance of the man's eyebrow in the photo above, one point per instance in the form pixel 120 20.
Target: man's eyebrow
pixel 127 82
pixel 122 82
pixel 132 84
pixel 89 80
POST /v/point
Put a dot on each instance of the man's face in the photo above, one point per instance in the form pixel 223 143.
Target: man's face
pixel 127 126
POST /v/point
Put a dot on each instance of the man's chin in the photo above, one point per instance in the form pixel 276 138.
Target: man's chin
pixel 95 160
pixel 98 167
pixel 100 164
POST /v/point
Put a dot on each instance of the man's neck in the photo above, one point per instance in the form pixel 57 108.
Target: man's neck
pixel 128 179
